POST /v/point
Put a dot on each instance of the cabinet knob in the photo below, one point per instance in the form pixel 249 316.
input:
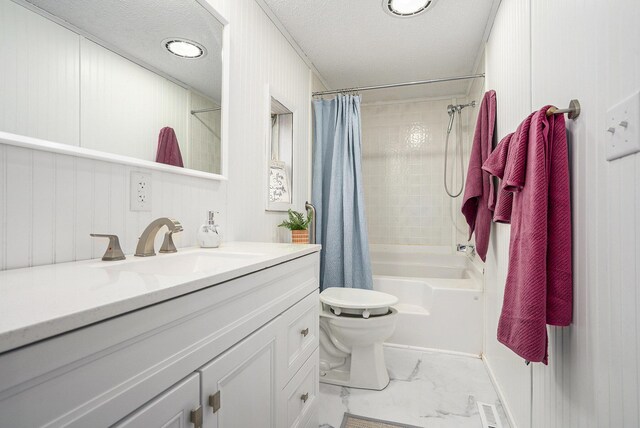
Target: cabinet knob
pixel 304 397
pixel 305 332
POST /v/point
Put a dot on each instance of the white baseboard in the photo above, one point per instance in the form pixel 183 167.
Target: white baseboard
pixel 501 396
pixel 441 351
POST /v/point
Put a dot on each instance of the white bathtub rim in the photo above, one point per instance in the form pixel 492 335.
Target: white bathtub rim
pixel 436 283
pixel 403 249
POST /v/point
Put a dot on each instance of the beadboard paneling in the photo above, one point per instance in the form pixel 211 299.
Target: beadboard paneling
pixel 262 56
pixel 54 201
pixel 508 73
pixel 35 50
pixel 124 106
pixel 586 50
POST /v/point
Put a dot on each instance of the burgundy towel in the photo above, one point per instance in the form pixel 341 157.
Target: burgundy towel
pixel 478 187
pixel 538 289
pixel 495 165
pixel 168 148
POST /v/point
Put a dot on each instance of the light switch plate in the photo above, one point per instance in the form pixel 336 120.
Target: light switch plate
pixel 140 191
pixel 623 140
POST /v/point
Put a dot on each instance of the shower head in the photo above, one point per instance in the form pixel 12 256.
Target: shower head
pixel 458 107
pixel 453 109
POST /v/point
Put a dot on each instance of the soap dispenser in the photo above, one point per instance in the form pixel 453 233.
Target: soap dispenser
pixel 209 234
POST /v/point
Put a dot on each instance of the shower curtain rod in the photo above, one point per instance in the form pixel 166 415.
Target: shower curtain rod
pixel 204 110
pixel 397 85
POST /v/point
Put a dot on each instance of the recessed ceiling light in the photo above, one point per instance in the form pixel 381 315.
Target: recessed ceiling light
pixel 406 8
pixel 184 48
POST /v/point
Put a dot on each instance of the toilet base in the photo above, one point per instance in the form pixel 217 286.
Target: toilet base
pixel 364 368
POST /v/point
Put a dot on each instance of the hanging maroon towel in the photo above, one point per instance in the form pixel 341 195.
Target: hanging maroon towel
pixel 476 205
pixel 168 148
pixel 538 290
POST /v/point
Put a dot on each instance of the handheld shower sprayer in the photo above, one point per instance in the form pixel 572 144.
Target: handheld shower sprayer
pixel 452 110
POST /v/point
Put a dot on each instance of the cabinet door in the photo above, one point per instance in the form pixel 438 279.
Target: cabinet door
pixel 239 387
pixel 171 409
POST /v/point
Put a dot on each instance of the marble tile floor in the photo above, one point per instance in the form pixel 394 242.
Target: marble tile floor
pixel 427 389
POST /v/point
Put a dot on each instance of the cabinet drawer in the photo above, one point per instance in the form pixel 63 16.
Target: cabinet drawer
pixel 301 394
pixel 301 324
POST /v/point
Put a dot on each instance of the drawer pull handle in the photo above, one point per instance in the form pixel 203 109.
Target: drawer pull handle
pixel 305 332
pixel 304 397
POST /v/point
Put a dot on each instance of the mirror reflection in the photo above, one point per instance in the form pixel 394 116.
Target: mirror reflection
pixel 141 79
pixel 280 157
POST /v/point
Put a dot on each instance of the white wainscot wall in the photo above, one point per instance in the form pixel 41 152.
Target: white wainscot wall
pixel 548 52
pixel 51 202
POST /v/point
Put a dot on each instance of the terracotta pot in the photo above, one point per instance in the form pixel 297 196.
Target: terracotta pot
pixel 300 236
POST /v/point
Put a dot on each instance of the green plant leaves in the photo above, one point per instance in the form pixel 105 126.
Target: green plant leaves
pixel 296 221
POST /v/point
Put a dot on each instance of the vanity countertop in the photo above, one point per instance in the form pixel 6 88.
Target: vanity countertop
pixel 40 302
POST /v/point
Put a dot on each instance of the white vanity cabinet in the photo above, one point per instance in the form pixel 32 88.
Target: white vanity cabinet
pixel 252 384
pixel 240 354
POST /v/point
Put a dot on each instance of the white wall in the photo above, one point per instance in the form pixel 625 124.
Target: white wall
pixel 123 106
pixel 261 56
pixel 547 52
pixel 35 50
pixel 507 65
pixel 50 203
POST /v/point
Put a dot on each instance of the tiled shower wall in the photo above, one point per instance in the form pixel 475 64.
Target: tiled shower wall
pixel 403 166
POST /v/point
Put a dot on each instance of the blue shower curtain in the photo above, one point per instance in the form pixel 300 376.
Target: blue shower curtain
pixel 338 196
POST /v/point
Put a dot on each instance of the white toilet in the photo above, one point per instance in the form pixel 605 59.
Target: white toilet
pixel 353 325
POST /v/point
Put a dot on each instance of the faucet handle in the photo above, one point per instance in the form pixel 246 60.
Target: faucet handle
pixel 167 244
pixel 114 252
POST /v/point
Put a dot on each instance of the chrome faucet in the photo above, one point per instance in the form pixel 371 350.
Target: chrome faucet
pixel 148 237
pixel 467 249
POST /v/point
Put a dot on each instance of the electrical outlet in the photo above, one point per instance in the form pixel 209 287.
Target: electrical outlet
pixel 140 191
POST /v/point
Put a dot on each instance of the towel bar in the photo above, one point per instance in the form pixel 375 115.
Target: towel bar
pixel 573 110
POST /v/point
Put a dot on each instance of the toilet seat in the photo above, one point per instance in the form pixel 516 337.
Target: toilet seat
pixel 355 301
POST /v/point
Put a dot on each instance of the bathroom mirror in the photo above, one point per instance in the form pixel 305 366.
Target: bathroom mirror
pixel 280 156
pixel 138 81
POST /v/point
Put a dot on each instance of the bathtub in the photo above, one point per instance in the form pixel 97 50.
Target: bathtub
pixel 440 296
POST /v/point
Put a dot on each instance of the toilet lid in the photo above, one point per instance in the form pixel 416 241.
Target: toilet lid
pixel 355 298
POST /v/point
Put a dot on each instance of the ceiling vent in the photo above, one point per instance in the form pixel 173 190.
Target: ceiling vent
pixel 406 8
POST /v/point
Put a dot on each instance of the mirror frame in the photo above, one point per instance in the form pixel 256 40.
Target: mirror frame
pixel 271 92
pixel 77 151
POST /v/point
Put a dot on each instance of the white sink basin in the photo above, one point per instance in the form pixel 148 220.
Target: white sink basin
pixel 181 264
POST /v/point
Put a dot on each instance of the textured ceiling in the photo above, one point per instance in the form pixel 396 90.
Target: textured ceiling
pixel 137 29
pixel 355 43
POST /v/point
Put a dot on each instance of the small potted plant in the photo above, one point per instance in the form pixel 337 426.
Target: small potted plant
pixel 298 226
